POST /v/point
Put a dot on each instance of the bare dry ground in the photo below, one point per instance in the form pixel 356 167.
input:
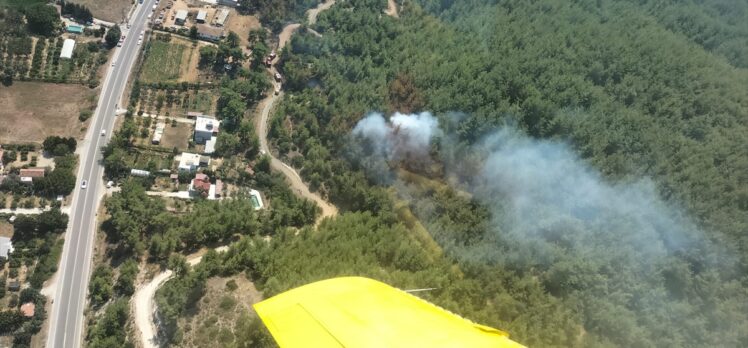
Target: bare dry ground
pixel 178 136
pixel 31 111
pixel 242 26
pixel 6 229
pixel 108 10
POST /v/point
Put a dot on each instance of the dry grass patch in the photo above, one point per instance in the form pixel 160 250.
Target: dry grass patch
pixel 242 25
pixel 176 136
pixel 31 111
pixel 108 10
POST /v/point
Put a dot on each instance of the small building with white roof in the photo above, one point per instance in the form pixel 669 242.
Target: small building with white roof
pixel 181 17
pixel 67 49
pixel 188 162
pixel 205 128
pixel 201 16
pixel 6 247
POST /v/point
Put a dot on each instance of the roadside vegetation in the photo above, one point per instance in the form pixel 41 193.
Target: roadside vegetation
pixel 38 245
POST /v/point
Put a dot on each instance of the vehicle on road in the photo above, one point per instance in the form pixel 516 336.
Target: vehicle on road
pixel 140 42
pixel 278 77
pixel 103 132
pixel 113 63
pixel 84 184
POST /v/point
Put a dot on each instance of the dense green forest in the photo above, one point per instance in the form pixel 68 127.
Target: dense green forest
pixel 637 109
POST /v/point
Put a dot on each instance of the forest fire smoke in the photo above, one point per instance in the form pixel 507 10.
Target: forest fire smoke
pixel 543 197
pixel 402 136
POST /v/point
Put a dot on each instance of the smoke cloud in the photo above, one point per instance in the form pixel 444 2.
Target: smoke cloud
pixel 400 136
pixel 544 199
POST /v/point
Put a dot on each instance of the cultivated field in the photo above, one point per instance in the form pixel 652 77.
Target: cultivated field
pixel 164 62
pixel 176 102
pixel 108 10
pixel 32 111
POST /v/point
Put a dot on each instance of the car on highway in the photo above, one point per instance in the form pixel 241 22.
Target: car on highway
pixel 103 132
pixel 140 42
pixel 113 63
pixel 84 184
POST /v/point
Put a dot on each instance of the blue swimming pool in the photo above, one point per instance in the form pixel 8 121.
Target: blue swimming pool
pixel 75 29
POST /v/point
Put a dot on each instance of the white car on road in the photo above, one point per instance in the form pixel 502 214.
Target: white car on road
pixel 84 184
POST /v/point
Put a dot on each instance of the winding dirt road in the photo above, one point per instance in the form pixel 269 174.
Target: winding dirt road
pixel 144 306
pixel 261 122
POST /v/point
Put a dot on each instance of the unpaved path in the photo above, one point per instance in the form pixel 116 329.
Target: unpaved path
pixel 286 34
pixel 297 184
pixel 391 9
pixel 144 306
pixel 311 15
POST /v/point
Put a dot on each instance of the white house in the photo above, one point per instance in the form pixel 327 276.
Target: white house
pixel 158 133
pixel 205 128
pixel 189 162
pixel 209 33
pixel 181 17
pixel 201 16
pixel 67 49
pixel 221 17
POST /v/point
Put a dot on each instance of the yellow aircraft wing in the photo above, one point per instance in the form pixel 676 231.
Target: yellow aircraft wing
pixel 361 312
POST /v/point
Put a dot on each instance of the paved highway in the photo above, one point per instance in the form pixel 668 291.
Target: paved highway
pixel 66 320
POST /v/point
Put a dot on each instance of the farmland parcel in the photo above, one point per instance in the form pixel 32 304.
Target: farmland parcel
pixel 31 111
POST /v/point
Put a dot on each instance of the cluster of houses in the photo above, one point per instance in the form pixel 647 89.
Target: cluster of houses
pixel 205 133
pixel 209 31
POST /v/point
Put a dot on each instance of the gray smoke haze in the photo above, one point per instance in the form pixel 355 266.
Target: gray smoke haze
pixel 544 199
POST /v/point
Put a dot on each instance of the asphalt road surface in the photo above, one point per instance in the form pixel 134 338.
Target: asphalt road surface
pixel 66 320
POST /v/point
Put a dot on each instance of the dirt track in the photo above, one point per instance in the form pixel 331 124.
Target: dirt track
pixel 391 9
pixel 297 184
pixel 144 306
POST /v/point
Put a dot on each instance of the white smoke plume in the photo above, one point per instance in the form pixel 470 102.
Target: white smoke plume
pixel 401 136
